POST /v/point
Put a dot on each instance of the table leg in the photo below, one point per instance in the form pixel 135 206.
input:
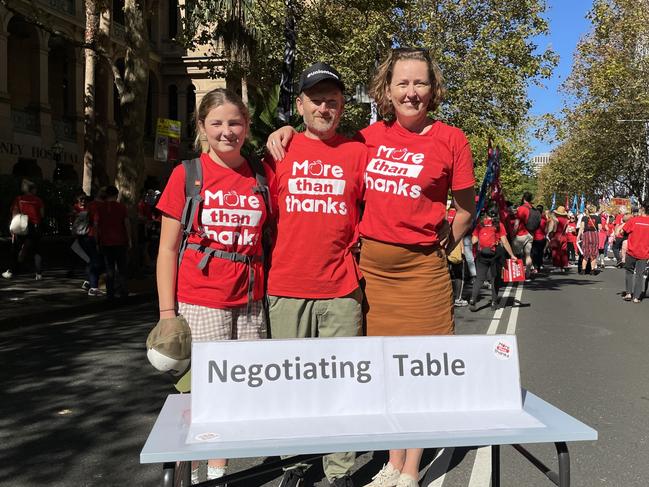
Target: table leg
pixel 168 474
pixel 495 465
pixel 564 464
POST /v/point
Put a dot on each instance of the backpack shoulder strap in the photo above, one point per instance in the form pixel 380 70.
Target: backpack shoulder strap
pixel 193 200
pixel 262 181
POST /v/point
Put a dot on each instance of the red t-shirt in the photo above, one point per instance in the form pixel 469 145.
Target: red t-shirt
pixel 230 219
pixel 489 236
pixel 92 206
pixel 637 228
pixel 319 192
pixel 522 215
pixel 30 205
pixel 539 233
pixel 110 217
pixel 571 232
pixel 408 178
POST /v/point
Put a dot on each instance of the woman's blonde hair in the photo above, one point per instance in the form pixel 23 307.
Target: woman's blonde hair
pixel 383 77
pixel 214 99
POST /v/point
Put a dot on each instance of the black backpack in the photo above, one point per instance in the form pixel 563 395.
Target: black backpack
pixel 193 202
pixel 533 220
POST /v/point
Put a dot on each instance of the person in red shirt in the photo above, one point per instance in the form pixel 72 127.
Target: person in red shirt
pixel 490 236
pixel 538 244
pixel 522 243
pixel 571 238
pixel 218 287
pixel 619 237
pixel 637 254
pixel 414 162
pixel 113 232
pixel 316 293
pixel 31 205
pixel 558 239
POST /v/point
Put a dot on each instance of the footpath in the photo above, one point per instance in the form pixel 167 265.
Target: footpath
pixel 25 301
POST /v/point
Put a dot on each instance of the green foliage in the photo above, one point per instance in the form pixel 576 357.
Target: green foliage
pixel 600 155
pixel 484 48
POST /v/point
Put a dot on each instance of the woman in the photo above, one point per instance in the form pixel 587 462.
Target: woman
pixel 414 162
pixel 490 236
pixel 588 236
pixel 31 205
pixel 538 244
pixel 571 237
pixel 558 239
pixel 214 299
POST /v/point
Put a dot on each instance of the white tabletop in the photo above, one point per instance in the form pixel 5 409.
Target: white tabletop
pixel 167 441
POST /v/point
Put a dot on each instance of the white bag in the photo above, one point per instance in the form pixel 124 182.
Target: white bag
pixel 19 224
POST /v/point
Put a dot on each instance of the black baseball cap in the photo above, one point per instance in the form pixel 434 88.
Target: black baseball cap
pixel 318 72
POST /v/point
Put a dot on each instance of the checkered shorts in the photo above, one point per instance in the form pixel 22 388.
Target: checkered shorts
pixel 209 324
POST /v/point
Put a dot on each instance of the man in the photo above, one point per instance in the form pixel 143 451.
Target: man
pixel 313 280
pixel 538 244
pixel 523 239
pixel 637 254
pixel 113 231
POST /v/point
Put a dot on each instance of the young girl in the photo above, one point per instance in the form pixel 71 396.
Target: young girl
pixel 489 234
pixel 208 289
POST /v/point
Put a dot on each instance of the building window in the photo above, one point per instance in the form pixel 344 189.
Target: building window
pixel 173 102
pixel 173 18
pixel 118 11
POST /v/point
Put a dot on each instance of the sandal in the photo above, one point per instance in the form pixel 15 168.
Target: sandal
pixel 627 297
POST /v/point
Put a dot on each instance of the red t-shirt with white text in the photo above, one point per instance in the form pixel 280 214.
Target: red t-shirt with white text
pixel 230 219
pixel 30 205
pixel 319 192
pixel 408 178
pixel 637 228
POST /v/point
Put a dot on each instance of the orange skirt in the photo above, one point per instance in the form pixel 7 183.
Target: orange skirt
pixel 408 290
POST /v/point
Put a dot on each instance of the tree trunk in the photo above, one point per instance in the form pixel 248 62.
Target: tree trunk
pixel 133 97
pixel 92 27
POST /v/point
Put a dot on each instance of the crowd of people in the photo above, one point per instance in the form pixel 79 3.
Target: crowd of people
pixel 331 236
pixel 551 240
pixel 100 237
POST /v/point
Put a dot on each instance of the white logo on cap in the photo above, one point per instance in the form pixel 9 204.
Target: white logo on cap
pixel 321 71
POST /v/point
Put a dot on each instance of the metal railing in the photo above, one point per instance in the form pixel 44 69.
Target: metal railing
pixel 25 121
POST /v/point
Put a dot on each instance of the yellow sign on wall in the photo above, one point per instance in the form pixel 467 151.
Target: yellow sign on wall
pixel 169 128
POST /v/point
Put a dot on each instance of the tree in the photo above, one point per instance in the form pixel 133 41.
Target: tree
pixel 599 154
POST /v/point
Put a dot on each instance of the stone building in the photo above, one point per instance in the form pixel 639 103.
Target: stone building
pixel 42 85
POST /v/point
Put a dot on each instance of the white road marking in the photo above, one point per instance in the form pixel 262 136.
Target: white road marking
pixel 440 463
pixel 513 316
pixel 481 473
pixel 493 326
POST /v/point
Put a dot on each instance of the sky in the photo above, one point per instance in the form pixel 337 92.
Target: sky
pixel 568 24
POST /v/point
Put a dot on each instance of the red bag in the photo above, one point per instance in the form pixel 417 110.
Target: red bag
pixel 513 270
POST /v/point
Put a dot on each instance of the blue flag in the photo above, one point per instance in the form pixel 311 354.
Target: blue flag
pixel 574 205
pixel 582 204
pixel 554 201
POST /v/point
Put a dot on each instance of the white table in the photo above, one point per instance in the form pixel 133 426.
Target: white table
pixel 166 443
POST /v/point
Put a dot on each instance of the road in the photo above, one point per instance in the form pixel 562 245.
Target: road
pixel 79 397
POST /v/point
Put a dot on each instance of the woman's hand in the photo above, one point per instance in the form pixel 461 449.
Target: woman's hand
pixel 443 233
pixel 278 141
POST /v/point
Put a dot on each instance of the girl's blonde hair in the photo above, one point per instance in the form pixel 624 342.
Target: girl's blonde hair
pixel 214 99
pixel 383 77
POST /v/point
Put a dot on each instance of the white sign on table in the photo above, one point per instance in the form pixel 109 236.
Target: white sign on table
pixel 265 389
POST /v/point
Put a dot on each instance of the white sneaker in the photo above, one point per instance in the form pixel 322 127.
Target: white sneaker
pixel 93 291
pixel 388 476
pixel 86 285
pixel 216 472
pixel 406 480
pixel 459 303
pixel 7 274
pixel 38 277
